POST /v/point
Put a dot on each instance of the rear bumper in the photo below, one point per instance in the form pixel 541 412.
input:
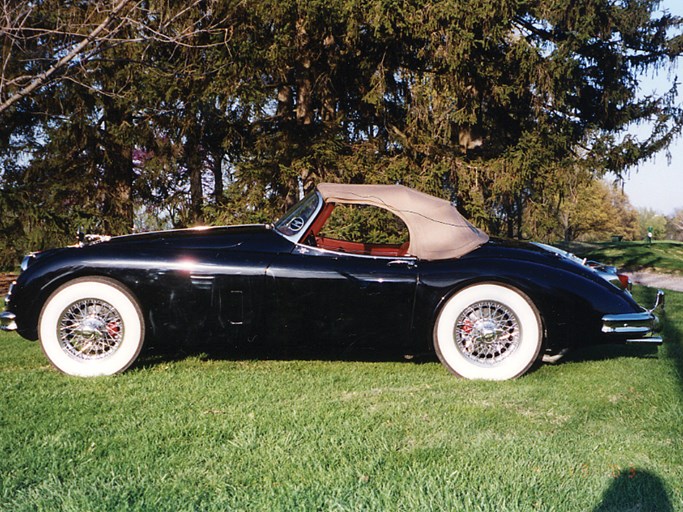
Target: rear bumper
pixel 635 327
pixel 8 321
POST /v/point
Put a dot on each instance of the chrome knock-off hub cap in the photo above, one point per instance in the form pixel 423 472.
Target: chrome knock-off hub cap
pixel 90 329
pixel 487 332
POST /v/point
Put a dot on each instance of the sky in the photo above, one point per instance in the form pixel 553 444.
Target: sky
pixel 658 183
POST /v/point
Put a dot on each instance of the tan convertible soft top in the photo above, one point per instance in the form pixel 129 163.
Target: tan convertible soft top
pixel 437 230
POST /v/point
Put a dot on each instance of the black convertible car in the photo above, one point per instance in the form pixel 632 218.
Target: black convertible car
pixel 425 278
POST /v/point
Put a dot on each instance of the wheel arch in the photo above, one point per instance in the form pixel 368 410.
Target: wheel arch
pixel 45 290
pixel 527 290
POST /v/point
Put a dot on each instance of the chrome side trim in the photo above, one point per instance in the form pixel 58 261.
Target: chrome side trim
pixel 7 321
pixel 409 261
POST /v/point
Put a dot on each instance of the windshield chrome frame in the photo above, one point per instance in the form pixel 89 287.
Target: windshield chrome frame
pixel 296 237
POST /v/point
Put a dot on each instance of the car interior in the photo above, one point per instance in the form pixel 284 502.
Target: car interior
pixel 345 231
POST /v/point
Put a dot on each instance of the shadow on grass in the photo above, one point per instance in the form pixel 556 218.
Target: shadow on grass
pixel 635 489
pixel 637 257
pixel 363 350
pixel 631 256
pixel 672 348
pixel 610 351
pixel 159 353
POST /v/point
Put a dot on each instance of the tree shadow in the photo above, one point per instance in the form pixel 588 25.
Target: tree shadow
pixel 636 258
pixel 635 489
pixel 673 349
pixel 633 256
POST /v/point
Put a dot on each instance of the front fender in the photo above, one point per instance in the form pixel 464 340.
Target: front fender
pixel 32 289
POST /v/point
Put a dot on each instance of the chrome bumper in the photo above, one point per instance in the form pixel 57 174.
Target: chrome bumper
pixel 636 327
pixel 7 321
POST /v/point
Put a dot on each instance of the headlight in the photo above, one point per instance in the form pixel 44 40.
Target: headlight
pixel 28 259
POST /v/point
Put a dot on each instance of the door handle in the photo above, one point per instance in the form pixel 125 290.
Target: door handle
pixel 405 263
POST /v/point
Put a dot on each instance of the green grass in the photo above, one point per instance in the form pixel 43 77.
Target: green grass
pixel 664 256
pixel 600 431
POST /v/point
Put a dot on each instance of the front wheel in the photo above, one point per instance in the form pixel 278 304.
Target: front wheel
pixel 90 327
pixel 488 331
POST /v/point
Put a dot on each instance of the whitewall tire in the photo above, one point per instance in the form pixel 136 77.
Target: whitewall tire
pixel 488 331
pixel 91 326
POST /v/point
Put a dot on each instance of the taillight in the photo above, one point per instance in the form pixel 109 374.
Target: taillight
pixel 625 281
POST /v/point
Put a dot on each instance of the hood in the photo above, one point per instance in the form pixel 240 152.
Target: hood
pixel 162 246
pixel 223 236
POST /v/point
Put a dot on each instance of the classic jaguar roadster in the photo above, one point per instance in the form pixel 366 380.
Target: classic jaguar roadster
pixel 417 275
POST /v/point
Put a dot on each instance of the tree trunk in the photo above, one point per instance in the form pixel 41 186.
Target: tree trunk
pixel 117 205
pixel 194 163
pixel 218 188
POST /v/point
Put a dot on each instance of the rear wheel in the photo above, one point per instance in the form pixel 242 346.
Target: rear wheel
pixel 91 326
pixel 488 331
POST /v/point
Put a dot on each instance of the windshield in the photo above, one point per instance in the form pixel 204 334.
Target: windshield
pixel 293 224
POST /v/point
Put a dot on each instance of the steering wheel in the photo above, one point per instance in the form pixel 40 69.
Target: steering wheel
pixel 310 240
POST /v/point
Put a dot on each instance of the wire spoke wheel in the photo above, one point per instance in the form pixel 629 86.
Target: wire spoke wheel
pixel 91 326
pixel 487 332
pixel 90 329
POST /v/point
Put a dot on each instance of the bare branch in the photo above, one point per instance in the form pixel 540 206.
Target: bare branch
pixel 39 80
pixel 184 28
pixel 17 18
pixel 92 89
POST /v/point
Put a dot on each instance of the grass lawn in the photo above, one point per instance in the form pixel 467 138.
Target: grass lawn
pixel 664 256
pixel 601 431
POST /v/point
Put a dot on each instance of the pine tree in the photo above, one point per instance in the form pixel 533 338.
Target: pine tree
pixel 225 111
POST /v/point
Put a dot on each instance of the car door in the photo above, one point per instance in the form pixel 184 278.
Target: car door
pixel 326 297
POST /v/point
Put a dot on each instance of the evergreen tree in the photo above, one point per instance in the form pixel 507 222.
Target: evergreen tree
pixel 224 111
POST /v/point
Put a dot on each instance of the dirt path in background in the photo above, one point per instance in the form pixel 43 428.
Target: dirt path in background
pixel 664 281
pixel 5 281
